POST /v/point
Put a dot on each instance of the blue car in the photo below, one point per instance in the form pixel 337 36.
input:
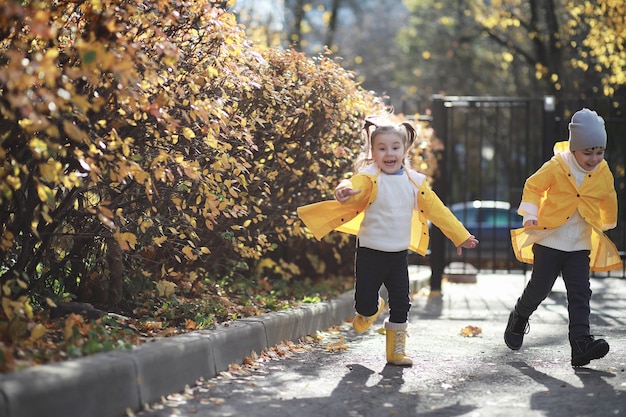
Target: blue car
pixel 491 222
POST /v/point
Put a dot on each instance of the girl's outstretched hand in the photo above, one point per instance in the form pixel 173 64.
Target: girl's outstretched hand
pixel 470 243
pixel 342 194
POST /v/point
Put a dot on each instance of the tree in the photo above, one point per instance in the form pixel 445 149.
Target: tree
pixel 603 48
pixel 512 47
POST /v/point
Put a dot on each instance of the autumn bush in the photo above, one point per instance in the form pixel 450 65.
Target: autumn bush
pixel 152 160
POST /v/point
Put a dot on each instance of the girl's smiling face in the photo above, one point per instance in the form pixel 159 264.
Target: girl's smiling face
pixel 388 151
pixel 589 158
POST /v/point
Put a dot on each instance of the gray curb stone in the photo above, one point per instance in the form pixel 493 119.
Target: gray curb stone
pixel 74 388
pixel 107 384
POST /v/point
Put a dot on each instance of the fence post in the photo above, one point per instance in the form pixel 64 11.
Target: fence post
pixel 549 127
pixel 437 239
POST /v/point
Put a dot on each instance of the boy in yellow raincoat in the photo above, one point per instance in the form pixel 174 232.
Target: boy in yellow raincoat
pixel 387 205
pixel 567 205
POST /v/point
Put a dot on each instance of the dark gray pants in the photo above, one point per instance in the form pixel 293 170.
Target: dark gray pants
pixel 574 267
pixel 374 268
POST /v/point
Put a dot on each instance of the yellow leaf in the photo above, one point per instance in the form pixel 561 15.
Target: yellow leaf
pixel 6 242
pixel 471 331
pixel 51 170
pixel 125 150
pixel 337 346
pixel 28 309
pixel 165 288
pixel 7 308
pixel 126 240
pixel 38 147
pixel 45 194
pixel 188 252
pixel 188 133
pixel 74 132
pixel 145 224
pixel 38 331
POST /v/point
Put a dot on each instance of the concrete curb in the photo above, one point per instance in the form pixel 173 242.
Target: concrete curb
pixel 107 384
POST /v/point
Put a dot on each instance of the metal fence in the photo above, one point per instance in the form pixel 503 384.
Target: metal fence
pixel 491 145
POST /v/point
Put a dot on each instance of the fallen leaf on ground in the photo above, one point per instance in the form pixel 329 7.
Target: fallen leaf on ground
pixel 337 346
pixel 471 331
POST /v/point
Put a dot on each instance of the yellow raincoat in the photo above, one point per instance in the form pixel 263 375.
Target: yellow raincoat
pixel 553 190
pixel 323 217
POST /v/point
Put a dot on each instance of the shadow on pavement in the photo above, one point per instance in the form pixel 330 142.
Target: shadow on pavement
pixel 384 398
pixel 560 398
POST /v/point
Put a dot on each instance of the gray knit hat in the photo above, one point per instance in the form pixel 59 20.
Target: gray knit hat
pixel 586 130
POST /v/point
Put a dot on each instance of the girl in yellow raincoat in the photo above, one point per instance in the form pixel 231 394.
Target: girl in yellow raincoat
pixel 567 205
pixel 387 205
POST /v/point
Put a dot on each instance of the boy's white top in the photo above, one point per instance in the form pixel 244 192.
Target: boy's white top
pixel 575 234
pixel 385 223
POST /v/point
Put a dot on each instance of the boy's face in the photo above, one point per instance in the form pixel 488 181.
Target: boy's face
pixel 589 158
pixel 388 152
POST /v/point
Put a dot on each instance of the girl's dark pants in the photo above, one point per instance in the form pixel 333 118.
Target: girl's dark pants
pixel 374 268
pixel 574 267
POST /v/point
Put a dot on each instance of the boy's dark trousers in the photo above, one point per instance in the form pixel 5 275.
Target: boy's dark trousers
pixel 374 268
pixel 574 267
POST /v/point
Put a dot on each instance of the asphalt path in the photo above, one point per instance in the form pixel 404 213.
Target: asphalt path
pixel 452 375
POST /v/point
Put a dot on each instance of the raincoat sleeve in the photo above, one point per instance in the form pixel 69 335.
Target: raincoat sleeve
pixel 323 217
pixel 431 206
pixel 535 188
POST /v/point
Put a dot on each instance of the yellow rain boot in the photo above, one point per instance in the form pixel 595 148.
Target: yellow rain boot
pixel 396 340
pixel 362 323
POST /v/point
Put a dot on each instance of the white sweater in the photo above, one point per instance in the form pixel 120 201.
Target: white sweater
pixel 387 222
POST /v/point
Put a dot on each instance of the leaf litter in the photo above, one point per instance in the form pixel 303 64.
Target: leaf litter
pixel 251 368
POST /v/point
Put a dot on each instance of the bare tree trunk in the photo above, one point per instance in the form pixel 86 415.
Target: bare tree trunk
pixel 295 34
pixel 332 24
pixel 116 271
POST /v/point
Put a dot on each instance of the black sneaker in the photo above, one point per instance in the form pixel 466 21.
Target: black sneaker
pixel 587 348
pixel 516 328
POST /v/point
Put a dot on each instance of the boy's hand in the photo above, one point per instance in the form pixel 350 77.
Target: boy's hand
pixel 470 243
pixel 530 223
pixel 342 194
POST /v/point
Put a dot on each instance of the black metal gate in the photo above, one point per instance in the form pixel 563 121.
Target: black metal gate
pixel 491 145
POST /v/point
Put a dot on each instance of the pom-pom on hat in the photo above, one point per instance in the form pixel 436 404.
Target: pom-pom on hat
pixel 586 130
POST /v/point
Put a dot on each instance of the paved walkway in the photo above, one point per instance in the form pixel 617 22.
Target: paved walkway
pixel 452 376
